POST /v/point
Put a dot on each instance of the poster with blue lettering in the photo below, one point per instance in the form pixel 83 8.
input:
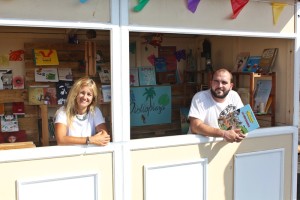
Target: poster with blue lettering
pixel 150 105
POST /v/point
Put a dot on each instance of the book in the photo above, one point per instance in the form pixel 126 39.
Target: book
pixel 166 77
pixel 244 94
pixel 147 75
pixel 261 93
pixel 168 53
pixel 45 75
pixel 45 57
pixel 6 79
pixel 243 118
pixel 106 93
pixel 35 95
pixel 184 120
pixel 134 76
pixel 269 102
pixel 39 95
pixel 241 61
pixel 50 97
pixel 65 74
pixel 160 64
pixel 9 123
pixel 16 136
pixel 104 74
pixel 62 91
pixel 18 82
pixel 51 129
pixel 18 108
pixel 252 64
pixel 267 60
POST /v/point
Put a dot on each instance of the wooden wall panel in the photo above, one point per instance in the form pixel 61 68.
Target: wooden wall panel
pixel 69 56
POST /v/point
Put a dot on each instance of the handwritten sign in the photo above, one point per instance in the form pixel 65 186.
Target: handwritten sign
pixel 150 105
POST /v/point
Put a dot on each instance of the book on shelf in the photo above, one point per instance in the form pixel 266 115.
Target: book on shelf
pixel 45 75
pixel 160 64
pixel 104 74
pixel 6 79
pixel 65 74
pixel 244 94
pixel 62 89
pixel 252 64
pixel 45 57
pixel 184 120
pixel 241 61
pixel 168 52
pixel 134 76
pixel 242 118
pixel 261 94
pixel 268 105
pixel 166 77
pixel 9 123
pixel 39 95
pixel 147 75
pixel 16 136
pixel 267 60
pixel 106 93
pixel 51 129
pixel 18 108
pixel 18 82
pixel 50 97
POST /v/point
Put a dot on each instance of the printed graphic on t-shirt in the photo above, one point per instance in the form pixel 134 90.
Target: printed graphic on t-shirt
pixel 226 117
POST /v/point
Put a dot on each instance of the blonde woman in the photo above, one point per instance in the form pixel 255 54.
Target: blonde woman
pixel 80 121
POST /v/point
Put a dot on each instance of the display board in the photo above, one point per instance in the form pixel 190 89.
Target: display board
pixel 150 105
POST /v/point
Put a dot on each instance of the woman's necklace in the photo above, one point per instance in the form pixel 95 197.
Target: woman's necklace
pixel 81 117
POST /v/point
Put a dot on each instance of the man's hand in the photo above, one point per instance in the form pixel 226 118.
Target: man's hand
pixel 235 135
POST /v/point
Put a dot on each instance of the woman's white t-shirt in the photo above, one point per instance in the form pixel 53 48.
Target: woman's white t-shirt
pixel 81 128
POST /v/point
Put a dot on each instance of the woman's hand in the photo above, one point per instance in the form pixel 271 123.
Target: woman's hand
pixel 102 138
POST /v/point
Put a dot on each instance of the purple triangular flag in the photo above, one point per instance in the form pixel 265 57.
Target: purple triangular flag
pixel 192 5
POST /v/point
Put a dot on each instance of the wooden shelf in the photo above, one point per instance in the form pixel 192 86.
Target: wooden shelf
pixel 201 80
pixel 252 77
pixel 70 56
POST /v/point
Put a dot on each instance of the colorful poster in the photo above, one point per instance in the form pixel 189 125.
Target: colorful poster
pixel 150 105
pixel 147 75
pixel 168 53
pixel 45 57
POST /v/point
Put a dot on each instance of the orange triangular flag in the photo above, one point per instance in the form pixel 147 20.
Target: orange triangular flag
pixel 277 9
pixel 237 7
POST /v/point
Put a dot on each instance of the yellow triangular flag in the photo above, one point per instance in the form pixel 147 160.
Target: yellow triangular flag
pixel 277 9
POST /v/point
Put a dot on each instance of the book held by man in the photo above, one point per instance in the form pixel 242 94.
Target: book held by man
pixel 242 118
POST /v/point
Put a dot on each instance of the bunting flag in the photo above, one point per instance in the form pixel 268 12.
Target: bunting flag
pixel 140 6
pixel 192 5
pixel 237 7
pixel 277 9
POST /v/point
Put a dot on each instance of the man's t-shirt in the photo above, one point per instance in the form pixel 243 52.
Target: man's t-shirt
pixel 205 108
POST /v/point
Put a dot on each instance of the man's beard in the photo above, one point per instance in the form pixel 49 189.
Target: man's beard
pixel 219 96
